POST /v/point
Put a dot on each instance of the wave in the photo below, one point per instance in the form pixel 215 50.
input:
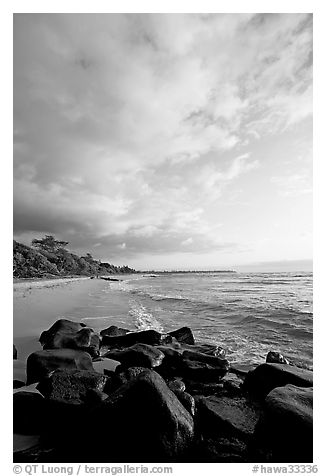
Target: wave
pixel 144 320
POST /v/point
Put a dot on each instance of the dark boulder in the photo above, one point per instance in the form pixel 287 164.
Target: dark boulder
pixel 176 384
pixel 94 396
pixel 143 421
pixel 183 335
pixel 232 384
pixel 220 450
pixel 203 372
pixel 224 415
pixel 198 388
pixel 138 355
pixel 65 334
pixel 71 385
pixel 149 337
pixel 286 428
pixel 114 331
pixel 276 358
pixel 18 384
pixel 43 362
pixel 28 412
pixel 15 352
pixel 209 349
pixel 215 361
pixel 265 377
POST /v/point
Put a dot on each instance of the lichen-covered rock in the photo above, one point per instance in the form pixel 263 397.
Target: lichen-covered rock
pixel 265 377
pixel 71 385
pixel 138 355
pixel 43 362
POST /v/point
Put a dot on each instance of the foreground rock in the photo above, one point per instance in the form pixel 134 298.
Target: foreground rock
pixel 149 337
pixel 114 331
pixel 65 334
pixel 146 422
pixel 141 355
pixel 224 415
pixel 266 377
pixel 43 362
pixel 286 428
pixel 70 385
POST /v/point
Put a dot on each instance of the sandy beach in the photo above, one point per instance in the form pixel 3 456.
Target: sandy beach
pixel 38 304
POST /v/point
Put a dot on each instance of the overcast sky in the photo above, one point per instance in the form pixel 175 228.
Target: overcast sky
pixel 165 140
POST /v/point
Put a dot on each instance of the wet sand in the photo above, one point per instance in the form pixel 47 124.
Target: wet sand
pixel 38 304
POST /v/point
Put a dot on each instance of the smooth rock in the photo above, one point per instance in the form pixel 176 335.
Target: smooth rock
pixel 138 355
pixel 71 385
pixel 114 331
pixel 42 362
pixel 149 337
pixel 143 421
pixel 202 371
pixel 223 415
pixel 65 334
pixel 276 358
pixel 183 335
pixel 287 425
pixel 265 377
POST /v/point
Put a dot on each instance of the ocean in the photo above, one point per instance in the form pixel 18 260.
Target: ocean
pixel 247 314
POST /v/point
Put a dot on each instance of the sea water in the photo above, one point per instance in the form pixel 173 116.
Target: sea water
pixel 246 313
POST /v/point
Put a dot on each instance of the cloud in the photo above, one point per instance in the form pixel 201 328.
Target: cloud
pixel 128 128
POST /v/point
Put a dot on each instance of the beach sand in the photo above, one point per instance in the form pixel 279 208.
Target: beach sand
pixel 38 304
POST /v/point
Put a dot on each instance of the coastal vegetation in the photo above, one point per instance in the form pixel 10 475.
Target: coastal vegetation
pixel 49 257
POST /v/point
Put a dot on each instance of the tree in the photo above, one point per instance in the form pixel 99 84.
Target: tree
pixel 49 243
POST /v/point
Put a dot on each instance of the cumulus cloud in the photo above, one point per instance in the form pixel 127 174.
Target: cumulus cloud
pixel 129 128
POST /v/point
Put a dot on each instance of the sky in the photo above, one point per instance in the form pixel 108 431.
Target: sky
pixel 166 141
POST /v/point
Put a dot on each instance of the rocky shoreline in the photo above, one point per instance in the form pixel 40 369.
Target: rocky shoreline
pixel 122 396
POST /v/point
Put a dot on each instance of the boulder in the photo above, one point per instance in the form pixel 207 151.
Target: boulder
pixel 43 362
pixel 212 360
pixel 203 372
pixel 114 331
pixel 94 396
pixel 232 384
pixel 276 358
pixel 15 352
pixel 28 412
pixel 224 415
pixel 71 385
pixel 198 388
pixel 265 377
pixel 143 421
pixel 138 355
pixel 220 450
pixel 149 337
pixel 209 349
pixel 183 335
pixel 105 364
pixel 286 428
pixel 71 335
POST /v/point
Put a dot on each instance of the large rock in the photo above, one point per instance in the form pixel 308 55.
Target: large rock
pixel 72 335
pixel 43 362
pixel 183 335
pixel 138 355
pixel 70 385
pixel 143 421
pixel 276 358
pixel 105 365
pixel 28 412
pixel 224 415
pixel 286 429
pixel 265 377
pixel 215 361
pixel 203 372
pixel 114 331
pixel 149 337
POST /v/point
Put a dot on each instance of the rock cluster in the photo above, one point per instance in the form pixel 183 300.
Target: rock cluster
pixel 122 396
